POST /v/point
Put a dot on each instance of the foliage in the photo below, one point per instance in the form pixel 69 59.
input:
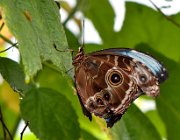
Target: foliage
pixel 46 90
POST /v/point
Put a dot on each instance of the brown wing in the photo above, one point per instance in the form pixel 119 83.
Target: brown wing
pixel 107 84
pixel 104 85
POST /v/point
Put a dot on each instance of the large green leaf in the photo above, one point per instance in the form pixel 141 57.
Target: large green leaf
pixel 141 25
pixel 87 136
pixel 72 40
pixel 50 114
pixel 102 16
pixel 168 104
pixel 37 27
pixel 13 74
pixel 157 121
pixel 144 25
pixel 134 125
pixel 169 100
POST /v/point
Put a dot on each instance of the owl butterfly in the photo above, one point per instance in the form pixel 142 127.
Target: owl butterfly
pixel 108 81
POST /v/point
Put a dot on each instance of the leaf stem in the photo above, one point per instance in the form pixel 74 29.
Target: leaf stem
pixel 4 130
pixel 2 25
pixel 5 127
pixel 6 39
pixel 167 17
pixel 8 48
pixel 27 123
pixel 72 12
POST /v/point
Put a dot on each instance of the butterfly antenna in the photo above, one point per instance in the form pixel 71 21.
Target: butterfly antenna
pixel 83 28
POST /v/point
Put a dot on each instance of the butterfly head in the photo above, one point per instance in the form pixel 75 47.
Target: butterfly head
pixel 79 56
pixel 81 50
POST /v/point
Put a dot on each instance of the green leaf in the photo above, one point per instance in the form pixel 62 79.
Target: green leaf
pixel 13 74
pixel 134 125
pixel 158 123
pixel 50 114
pixel 102 16
pixel 10 118
pixel 144 25
pixel 168 101
pixel 168 104
pixel 37 27
pixel 27 136
pixel 72 40
pixel 87 136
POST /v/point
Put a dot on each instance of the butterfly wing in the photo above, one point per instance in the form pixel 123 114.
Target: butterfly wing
pixel 105 87
pixel 108 81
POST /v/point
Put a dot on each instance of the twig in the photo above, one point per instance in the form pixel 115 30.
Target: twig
pixel 6 39
pixel 8 48
pixel 2 25
pixel 5 129
pixel 72 12
pixel 27 123
pixel 167 17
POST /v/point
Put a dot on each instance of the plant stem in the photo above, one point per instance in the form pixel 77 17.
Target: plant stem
pixel 167 17
pixel 5 127
pixel 6 39
pixel 27 123
pixel 72 12
pixel 8 48
pixel 2 25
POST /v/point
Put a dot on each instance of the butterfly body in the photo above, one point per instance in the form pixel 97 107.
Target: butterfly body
pixel 108 81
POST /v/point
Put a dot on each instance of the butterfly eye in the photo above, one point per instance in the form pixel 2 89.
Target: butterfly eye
pixel 143 78
pixel 115 78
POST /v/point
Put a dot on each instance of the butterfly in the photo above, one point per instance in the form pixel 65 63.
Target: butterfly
pixel 108 81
